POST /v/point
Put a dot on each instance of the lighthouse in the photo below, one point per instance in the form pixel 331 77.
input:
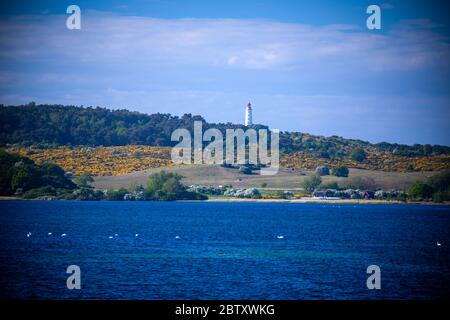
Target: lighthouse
pixel 248 115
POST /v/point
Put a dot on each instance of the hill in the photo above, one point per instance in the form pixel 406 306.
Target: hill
pixel 57 125
pixel 39 131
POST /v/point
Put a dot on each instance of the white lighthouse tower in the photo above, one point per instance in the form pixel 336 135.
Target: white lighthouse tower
pixel 248 115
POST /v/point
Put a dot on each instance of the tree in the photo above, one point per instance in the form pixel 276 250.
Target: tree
pixel 322 170
pixel 441 186
pixel 330 185
pixel 173 189
pixel 117 195
pixel 420 191
pixel 84 180
pixel 19 174
pixel 441 181
pixel 25 177
pixel 39 192
pixel 341 171
pixel 441 196
pixel 167 186
pixel 54 176
pixel 8 167
pixel 427 150
pixel 358 154
pixel 156 181
pixel 312 182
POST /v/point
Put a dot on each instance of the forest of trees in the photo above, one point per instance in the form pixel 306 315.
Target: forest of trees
pixel 20 175
pixel 53 125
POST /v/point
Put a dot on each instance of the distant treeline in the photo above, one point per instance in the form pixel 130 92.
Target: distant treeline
pixel 53 125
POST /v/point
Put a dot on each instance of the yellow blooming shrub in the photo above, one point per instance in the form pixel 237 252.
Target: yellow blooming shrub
pixel 101 161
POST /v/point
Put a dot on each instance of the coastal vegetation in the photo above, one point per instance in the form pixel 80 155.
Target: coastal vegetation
pixel 60 151
pixel 226 191
pixel 340 171
pixel 68 133
pixel 100 161
pixel 436 188
pixel 375 160
pixel 312 182
pixel 20 176
pixel 167 186
pixel 120 160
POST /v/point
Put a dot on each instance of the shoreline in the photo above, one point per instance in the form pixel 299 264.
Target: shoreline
pixel 323 201
pixel 302 200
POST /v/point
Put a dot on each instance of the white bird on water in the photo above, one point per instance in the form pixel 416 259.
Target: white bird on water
pixel 63 235
pixel 49 233
pixel 28 234
pixel 136 235
pixel 280 237
pixel 110 237
pixel 177 237
pixel 438 244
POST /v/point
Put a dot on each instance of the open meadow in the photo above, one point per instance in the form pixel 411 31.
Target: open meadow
pixel 284 179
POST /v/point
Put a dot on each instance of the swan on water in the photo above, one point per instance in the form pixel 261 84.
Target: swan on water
pixel 63 235
pixel 280 237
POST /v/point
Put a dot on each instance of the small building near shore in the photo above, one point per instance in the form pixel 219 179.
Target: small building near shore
pixel 322 195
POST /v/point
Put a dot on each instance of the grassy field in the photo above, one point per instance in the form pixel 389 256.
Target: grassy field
pixel 285 179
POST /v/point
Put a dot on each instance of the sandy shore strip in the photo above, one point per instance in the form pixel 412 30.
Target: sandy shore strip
pixel 302 200
pixel 333 201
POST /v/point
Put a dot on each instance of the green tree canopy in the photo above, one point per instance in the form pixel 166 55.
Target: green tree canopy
pixel 420 191
pixel 25 176
pixel 17 172
pixel 441 181
pixel 167 186
pixel 83 180
pixel 311 182
pixel 341 171
pixel 358 154
pixel 441 186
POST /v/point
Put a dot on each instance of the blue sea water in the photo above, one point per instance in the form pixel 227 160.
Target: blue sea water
pixel 194 250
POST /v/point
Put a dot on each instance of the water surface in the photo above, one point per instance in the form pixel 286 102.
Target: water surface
pixel 193 250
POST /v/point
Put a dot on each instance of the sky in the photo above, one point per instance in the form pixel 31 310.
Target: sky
pixel 308 66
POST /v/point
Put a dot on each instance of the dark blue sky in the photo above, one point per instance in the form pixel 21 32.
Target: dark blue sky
pixel 309 66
